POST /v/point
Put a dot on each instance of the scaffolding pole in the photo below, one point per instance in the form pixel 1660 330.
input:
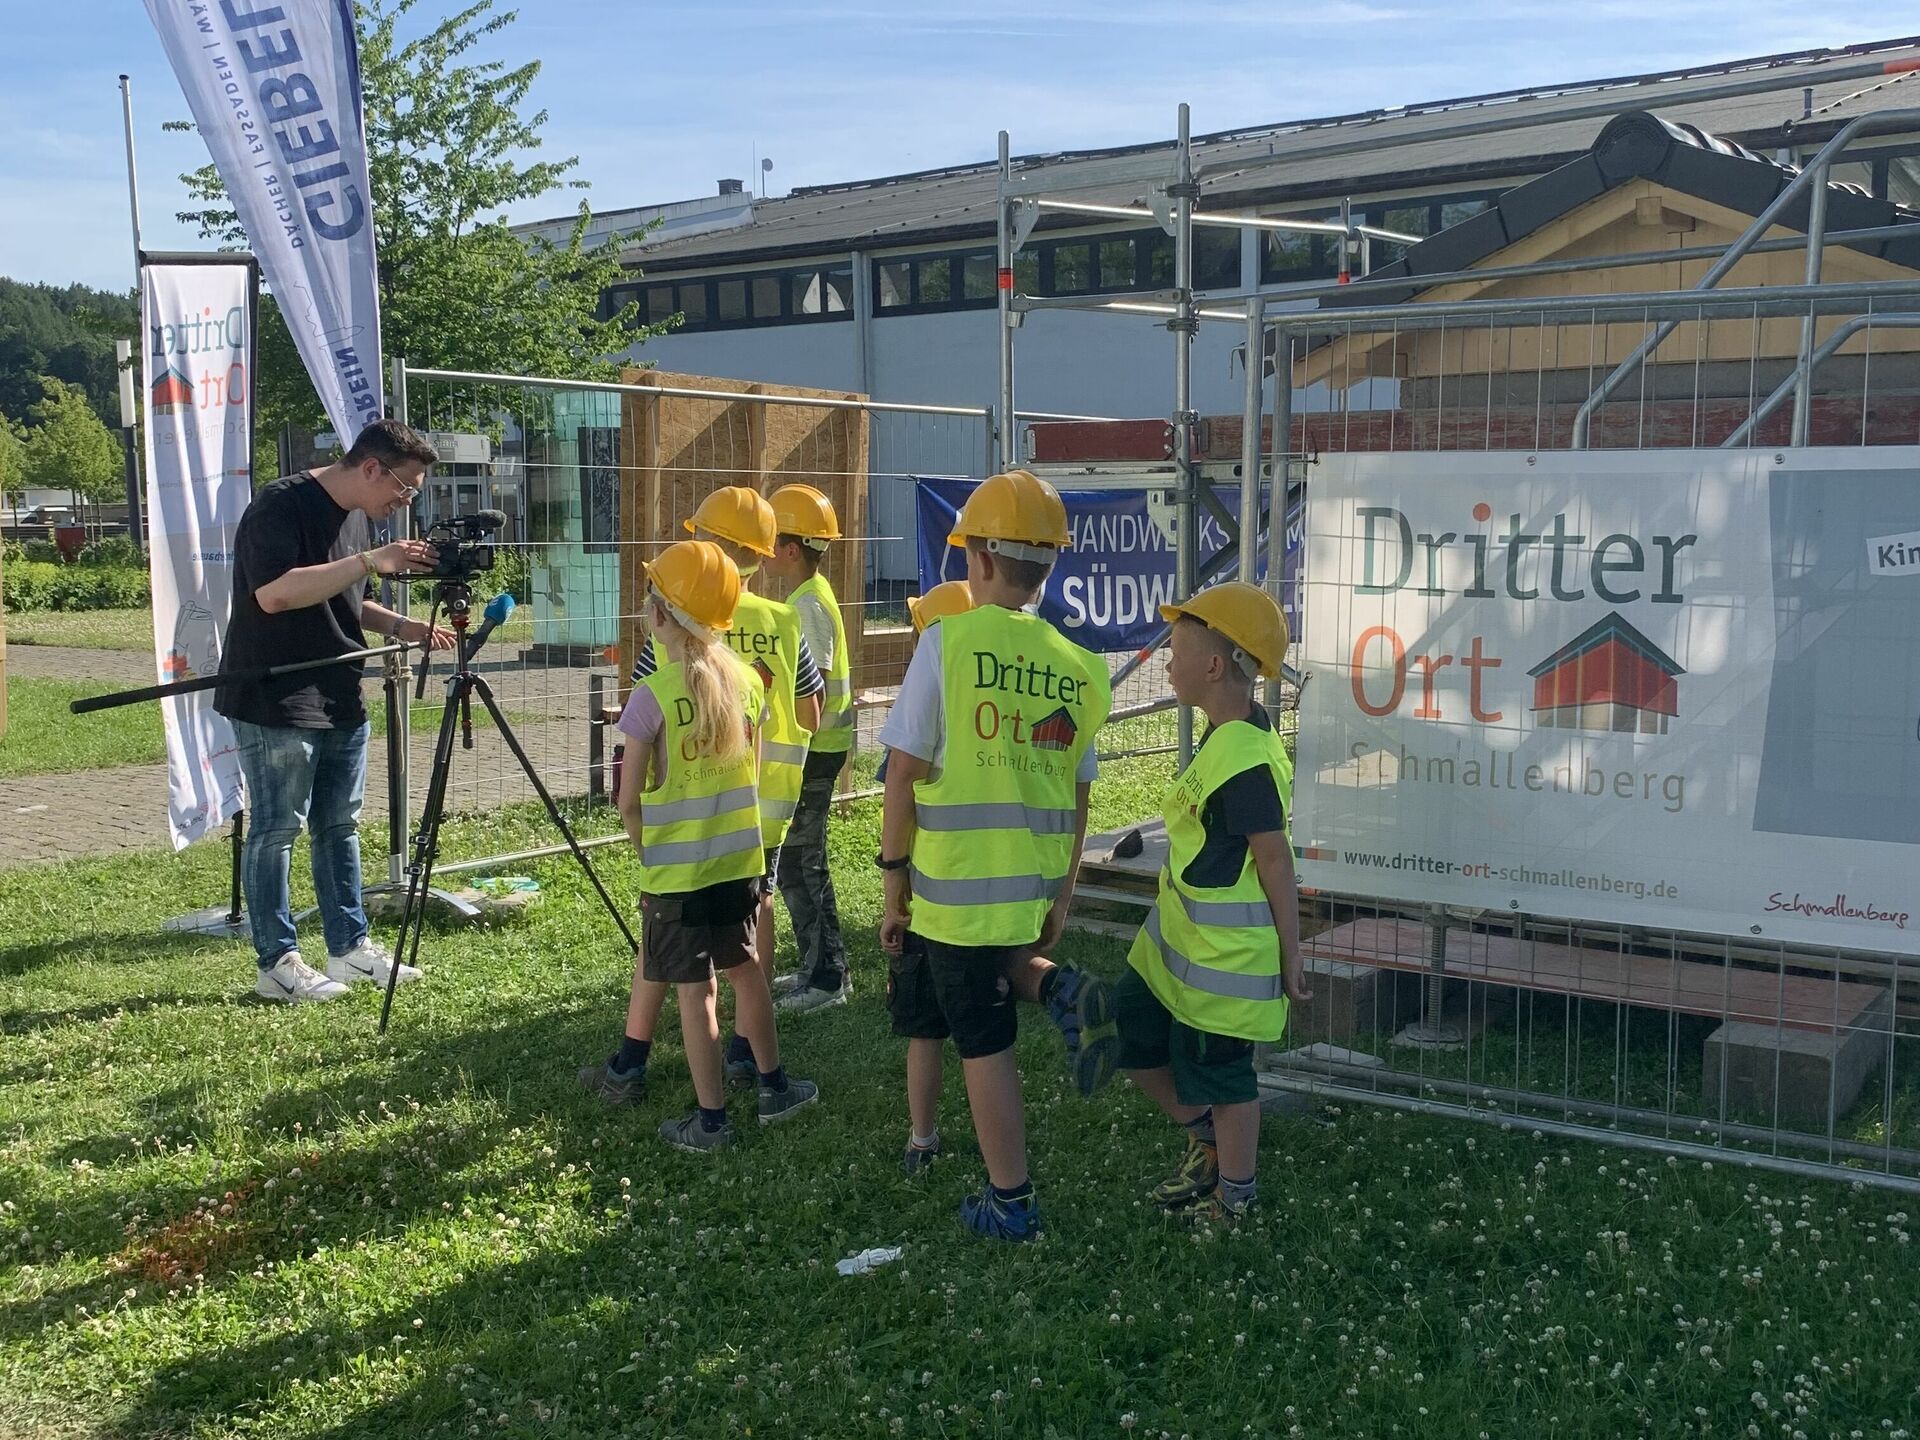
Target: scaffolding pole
pixel 1183 325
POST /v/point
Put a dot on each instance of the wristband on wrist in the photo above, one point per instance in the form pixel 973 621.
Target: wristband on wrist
pixel 883 863
pixel 366 561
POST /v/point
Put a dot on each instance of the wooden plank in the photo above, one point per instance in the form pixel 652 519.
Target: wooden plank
pixel 1728 992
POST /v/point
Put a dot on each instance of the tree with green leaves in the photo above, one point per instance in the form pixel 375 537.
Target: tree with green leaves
pixel 449 149
pixel 13 462
pixel 69 448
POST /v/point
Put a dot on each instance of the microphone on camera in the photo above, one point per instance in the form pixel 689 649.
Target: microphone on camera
pixel 498 608
pixel 488 521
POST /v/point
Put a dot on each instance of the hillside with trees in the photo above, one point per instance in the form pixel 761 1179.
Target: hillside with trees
pixel 65 332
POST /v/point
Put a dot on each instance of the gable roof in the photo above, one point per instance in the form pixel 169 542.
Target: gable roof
pixel 1613 626
pixel 1638 146
pixel 959 201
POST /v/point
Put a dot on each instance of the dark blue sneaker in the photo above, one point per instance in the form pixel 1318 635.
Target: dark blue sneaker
pixel 742 1074
pixel 1082 1006
pixel 991 1215
pixel 614 1085
pixel 919 1158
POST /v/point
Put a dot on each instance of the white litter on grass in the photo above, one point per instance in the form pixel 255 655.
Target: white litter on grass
pixel 869 1260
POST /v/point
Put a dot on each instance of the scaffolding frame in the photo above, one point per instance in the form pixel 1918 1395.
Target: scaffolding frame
pixel 1022 198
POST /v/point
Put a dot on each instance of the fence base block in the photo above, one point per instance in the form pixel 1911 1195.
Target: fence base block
pixel 1814 1076
pixel 1350 999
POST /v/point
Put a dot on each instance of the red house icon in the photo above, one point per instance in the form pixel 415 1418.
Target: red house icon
pixel 1056 732
pixel 1609 677
pixel 171 392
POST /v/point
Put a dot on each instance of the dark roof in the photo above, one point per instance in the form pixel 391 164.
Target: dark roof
pixel 958 202
pixel 1611 626
pixel 1638 146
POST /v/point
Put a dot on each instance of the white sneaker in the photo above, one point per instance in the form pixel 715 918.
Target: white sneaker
pixel 366 961
pixel 292 981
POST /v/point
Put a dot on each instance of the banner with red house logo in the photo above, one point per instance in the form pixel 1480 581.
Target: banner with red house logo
pixel 199 450
pixel 1678 689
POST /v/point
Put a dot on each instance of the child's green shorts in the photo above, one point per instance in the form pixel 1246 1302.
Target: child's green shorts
pixel 1207 1069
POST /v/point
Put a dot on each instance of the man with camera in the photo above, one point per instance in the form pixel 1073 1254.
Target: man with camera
pixel 302 573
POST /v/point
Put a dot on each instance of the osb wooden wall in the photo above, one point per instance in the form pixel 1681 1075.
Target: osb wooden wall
pixel 678 450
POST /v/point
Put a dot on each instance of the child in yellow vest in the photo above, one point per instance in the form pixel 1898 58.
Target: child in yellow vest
pixel 986 810
pixel 690 800
pixel 1079 1004
pixel 765 634
pixel 1215 965
pixel 805 526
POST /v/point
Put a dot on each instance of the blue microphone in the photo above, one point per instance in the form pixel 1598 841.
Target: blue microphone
pixel 498 608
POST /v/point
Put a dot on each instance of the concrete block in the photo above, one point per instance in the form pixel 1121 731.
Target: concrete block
pixel 1351 999
pixel 1802 1068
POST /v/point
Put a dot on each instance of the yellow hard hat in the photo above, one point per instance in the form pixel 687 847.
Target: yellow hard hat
pixel 697 581
pixel 950 597
pixel 803 511
pixel 1017 514
pixel 1244 614
pixel 738 514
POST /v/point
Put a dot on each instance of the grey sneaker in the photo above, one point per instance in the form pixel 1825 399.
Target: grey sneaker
pixel 784 983
pixel 919 1158
pixel 778 1104
pixel 802 998
pixel 616 1087
pixel 742 1074
pixel 687 1133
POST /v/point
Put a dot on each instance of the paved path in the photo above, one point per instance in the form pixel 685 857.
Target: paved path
pixel 56 817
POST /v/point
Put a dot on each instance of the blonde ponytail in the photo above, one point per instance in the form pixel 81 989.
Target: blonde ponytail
pixel 715 679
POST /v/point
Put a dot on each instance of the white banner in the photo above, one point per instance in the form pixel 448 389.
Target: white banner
pixel 199 444
pixel 1665 688
pixel 275 91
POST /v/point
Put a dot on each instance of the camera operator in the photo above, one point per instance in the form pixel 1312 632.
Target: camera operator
pixel 302 575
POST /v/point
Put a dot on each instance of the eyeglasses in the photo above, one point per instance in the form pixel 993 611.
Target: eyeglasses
pixel 407 492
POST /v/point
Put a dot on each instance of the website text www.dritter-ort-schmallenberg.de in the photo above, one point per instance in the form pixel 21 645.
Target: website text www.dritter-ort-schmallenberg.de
pixel 1562 879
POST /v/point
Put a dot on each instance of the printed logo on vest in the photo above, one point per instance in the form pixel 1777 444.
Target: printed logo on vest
pixel 1055 732
pixel 765 672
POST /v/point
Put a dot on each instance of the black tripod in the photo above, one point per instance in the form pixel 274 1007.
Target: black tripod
pixel 457 597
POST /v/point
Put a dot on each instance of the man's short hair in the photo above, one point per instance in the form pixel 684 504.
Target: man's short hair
pixel 1028 575
pixel 390 442
pixel 812 556
pixel 1218 644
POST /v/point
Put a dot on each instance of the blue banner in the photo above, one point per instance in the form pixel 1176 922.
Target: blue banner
pixel 1106 591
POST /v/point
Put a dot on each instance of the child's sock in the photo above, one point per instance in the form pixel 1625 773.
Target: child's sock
pixel 714 1119
pixel 1201 1127
pixel 1237 1193
pixel 739 1048
pixel 774 1079
pixel 1019 1194
pixel 632 1054
pixel 924 1142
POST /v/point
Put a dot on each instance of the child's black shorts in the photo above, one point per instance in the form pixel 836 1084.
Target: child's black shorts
pixel 969 992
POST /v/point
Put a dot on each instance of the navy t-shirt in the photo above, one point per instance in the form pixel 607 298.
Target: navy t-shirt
pixel 1247 804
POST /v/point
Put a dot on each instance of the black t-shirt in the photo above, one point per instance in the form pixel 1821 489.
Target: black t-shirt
pixel 1247 804
pixel 291 524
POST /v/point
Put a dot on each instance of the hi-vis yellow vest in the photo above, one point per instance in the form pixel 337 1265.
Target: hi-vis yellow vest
pixel 701 824
pixel 835 733
pixel 1022 707
pixel 766 634
pixel 1213 956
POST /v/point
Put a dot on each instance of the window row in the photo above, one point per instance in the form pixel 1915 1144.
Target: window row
pixel 1078 265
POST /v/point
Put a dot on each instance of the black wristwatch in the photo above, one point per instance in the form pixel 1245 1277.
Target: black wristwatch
pixel 886 864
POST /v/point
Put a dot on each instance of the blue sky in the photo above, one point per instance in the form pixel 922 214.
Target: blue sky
pixel 659 100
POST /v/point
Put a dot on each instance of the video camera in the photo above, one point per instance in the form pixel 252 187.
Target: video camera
pixel 463 545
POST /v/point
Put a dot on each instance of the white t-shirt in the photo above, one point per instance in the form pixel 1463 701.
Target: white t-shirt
pixel 917 722
pixel 816 628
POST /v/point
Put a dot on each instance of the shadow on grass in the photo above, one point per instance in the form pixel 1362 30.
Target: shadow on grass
pixel 128 947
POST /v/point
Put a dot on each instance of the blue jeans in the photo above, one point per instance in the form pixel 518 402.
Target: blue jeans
pixel 315 777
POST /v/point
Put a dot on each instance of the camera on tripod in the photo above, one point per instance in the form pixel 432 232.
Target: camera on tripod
pixel 463 545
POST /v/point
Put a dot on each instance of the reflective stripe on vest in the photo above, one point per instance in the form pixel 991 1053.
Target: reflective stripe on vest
pixel 1211 954
pixel 766 634
pixel 834 734
pixel 995 815
pixel 991 890
pixel 700 825
pixel 996 824
pixel 1230 983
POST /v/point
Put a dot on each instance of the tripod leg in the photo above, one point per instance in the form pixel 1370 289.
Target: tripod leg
pixel 553 810
pixel 426 844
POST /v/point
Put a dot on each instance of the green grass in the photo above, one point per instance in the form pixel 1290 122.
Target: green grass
pixel 82 629
pixel 220 1219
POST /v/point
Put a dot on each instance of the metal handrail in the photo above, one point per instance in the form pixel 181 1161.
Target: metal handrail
pixel 540 382
pixel 1818 167
pixel 1898 321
